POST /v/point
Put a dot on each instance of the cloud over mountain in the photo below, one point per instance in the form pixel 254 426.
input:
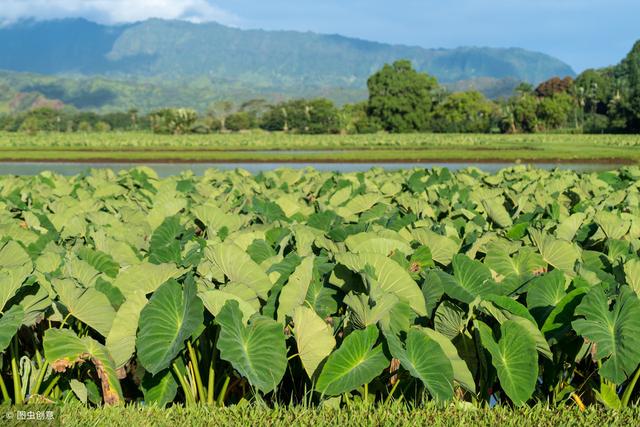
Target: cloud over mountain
pixel 115 11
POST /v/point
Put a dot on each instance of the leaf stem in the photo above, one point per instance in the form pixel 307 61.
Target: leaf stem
pixel 629 390
pixel 223 392
pixel 190 400
pixel 41 374
pixel 393 389
pixel 51 385
pixel 196 372
pixel 5 393
pixel 17 386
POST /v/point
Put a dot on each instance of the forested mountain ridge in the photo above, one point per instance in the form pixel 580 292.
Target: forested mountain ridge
pixel 184 50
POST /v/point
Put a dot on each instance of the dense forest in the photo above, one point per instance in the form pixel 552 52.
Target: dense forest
pixel 401 99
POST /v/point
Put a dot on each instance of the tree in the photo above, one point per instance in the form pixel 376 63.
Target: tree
pixel 554 86
pixel 520 114
pixel 221 109
pixel 631 67
pixel 554 111
pixel 463 112
pixel 239 121
pixel 401 98
pixel 321 117
pixel 173 121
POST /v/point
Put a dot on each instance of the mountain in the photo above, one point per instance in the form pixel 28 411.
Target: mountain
pixel 162 53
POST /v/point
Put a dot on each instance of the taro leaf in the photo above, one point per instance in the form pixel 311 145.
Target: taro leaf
pixel 355 363
pixel 615 333
pixel 632 273
pixel 559 253
pixel 471 279
pixel 314 338
pixel 425 359
pixel 145 277
pixel 544 293
pixel 383 243
pixel 171 316
pixel 260 251
pixel 11 279
pixel 164 246
pixel 612 225
pixel 514 357
pixel 497 212
pixel 63 349
pixel 295 291
pixel 257 351
pixel 449 319
pixel 442 248
pixel 9 324
pixel 13 255
pixel 215 299
pixel 121 341
pixel 461 373
pixel 101 261
pixel 87 305
pixel 321 298
pixel 558 323
pixel 510 309
pixel 432 290
pixel 159 389
pixel 389 278
pixel 568 228
pixel 238 266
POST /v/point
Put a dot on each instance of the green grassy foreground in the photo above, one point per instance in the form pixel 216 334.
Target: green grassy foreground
pixel 274 147
pixel 359 415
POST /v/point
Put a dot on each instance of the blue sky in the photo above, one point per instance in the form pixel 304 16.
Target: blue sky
pixel 584 33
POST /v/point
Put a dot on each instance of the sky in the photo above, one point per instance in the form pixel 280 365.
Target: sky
pixel 583 33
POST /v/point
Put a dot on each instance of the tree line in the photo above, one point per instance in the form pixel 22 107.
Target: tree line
pixel 400 100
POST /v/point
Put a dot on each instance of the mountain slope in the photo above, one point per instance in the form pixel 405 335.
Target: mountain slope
pixel 159 49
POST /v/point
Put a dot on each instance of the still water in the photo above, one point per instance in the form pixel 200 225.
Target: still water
pixel 167 169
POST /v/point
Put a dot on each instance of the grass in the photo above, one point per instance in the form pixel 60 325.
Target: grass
pixel 274 147
pixel 357 415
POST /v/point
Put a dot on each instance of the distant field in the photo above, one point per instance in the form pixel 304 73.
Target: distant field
pixel 270 147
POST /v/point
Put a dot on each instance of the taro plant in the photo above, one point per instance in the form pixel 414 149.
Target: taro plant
pixel 318 288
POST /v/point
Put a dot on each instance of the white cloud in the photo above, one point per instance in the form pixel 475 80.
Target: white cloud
pixel 114 11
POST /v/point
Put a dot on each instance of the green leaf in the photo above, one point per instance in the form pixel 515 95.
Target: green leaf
pixel 544 293
pixel 171 316
pixel 10 322
pixel 442 248
pixel 63 349
pixel 238 266
pixel 11 279
pixel 355 363
pixel 164 246
pixel 121 340
pixel 461 373
pixel 449 319
pixel 390 277
pixel 559 253
pixel 295 291
pixel 101 261
pixel 256 351
pixel 425 360
pixel 314 338
pixel 383 243
pixel 215 299
pixel 514 357
pixel 159 389
pixel 497 212
pixel 616 333
pixel 470 279
pixel 145 277
pixel 632 273
pixel 87 305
